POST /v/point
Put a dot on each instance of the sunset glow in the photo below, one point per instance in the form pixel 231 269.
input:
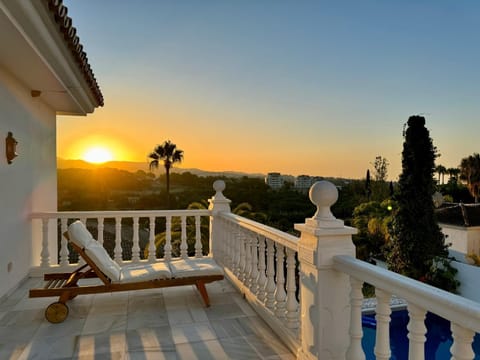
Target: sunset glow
pixel 97 155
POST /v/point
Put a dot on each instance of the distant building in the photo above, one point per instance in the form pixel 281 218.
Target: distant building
pixel 274 180
pixel 304 182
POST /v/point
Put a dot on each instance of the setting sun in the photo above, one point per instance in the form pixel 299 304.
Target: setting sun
pixel 97 155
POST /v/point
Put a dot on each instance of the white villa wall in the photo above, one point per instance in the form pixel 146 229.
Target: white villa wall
pixel 463 239
pixel 29 183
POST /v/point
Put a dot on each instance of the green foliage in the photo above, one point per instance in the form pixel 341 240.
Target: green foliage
pixel 372 220
pixel 470 172
pixel 416 239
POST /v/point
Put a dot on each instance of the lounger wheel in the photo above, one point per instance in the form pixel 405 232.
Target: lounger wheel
pixel 56 312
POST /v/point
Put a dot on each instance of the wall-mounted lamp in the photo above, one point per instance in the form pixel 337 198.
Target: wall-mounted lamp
pixel 10 147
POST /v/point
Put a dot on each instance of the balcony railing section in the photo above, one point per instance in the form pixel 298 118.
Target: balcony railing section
pixel 262 263
pixel 128 236
pixel 463 314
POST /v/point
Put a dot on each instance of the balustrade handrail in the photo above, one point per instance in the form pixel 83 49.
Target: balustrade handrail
pixel 452 307
pixel 117 213
pixel 283 238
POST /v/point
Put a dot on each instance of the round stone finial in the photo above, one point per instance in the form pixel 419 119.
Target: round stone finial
pixel 323 194
pixel 219 185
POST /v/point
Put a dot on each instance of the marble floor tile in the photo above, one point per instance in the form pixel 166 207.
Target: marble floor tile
pixel 101 345
pixel 168 323
pixel 95 324
pixel 137 320
pixel 49 348
pixel 204 350
pixel 148 339
pixel 192 333
pixel 152 355
pixel 238 348
pixel 223 311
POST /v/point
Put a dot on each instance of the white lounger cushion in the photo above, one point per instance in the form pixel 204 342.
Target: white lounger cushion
pixel 79 235
pixel 100 257
pixel 183 268
pixel 144 272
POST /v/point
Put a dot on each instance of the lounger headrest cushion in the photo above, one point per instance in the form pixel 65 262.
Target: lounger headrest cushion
pixel 100 257
pixel 79 234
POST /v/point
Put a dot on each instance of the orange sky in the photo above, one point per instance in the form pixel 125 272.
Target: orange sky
pixel 311 88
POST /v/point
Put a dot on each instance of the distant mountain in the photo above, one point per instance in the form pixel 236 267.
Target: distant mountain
pixel 135 166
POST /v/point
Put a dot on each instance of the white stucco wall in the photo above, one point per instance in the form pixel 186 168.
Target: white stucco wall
pixel 29 183
pixel 463 239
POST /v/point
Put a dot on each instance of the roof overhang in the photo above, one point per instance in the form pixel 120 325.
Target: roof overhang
pixel 35 52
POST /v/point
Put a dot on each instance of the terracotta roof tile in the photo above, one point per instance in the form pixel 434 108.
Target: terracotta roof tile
pixel 59 14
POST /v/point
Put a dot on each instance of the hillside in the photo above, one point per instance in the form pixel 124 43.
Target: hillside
pixel 135 166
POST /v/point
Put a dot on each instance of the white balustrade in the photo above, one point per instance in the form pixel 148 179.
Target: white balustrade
pixel 416 332
pixel 462 342
pixel 198 237
pixel 183 244
pixel 168 239
pixel 291 304
pixel 262 277
pixel 280 294
pixel 270 286
pixel 254 272
pixel 64 244
pixel 355 350
pixel 382 340
pixel 142 239
pixel 136 245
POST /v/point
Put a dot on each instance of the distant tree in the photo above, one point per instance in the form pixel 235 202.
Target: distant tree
pixel 368 186
pixel 441 170
pixel 417 243
pixel 470 172
pixel 169 154
pixel 453 174
pixel 380 166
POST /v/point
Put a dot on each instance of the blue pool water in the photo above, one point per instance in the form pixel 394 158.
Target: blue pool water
pixel 437 346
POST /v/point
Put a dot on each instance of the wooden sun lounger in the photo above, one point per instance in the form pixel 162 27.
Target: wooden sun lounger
pixel 66 285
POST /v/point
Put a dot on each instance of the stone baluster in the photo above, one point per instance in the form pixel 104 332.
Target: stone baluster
pixel 416 332
pixel 237 244
pixel 241 264
pixel 63 243
pixel 136 245
pixel 152 250
pixel 228 250
pixel 167 248
pixel 254 272
pixel 100 229
pixel 270 286
pixel 217 204
pixel 280 294
pixel 45 254
pixel 355 350
pixel 461 348
pixel 324 292
pixel 382 340
pixel 183 243
pixel 262 278
pixel 118 240
pixel 198 237
pixel 248 258
pixel 291 303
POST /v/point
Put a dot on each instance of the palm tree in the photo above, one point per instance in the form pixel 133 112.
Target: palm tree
pixel 441 170
pixel 470 172
pixel 169 154
pixel 453 173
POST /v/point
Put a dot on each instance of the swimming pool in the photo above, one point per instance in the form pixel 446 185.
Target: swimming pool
pixel 437 346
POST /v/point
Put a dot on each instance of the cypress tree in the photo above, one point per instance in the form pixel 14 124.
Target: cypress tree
pixel 417 243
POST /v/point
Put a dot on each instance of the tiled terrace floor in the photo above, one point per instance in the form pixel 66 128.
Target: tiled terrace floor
pixel 169 323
